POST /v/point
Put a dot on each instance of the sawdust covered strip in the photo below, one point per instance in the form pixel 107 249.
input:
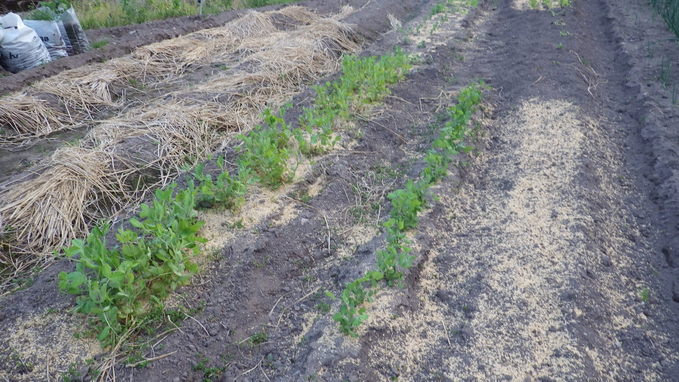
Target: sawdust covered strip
pixel 151 144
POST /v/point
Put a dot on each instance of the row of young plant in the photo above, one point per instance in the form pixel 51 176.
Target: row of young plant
pixel 548 4
pixel 669 10
pixel 119 286
pixel 406 203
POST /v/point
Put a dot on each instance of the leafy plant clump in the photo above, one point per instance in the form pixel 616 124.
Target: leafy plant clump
pixel 266 151
pixel 119 286
pixel 225 191
pixel 406 203
pixel 669 10
pixel 364 81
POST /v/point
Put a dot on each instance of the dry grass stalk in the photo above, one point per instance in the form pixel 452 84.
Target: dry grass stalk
pixel 252 24
pixel 60 204
pixel 300 14
pixel 171 58
pixel 82 90
pixel 29 116
pixel 168 136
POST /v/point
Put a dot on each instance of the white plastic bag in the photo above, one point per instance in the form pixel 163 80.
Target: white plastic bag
pixel 74 32
pixel 49 33
pixel 20 47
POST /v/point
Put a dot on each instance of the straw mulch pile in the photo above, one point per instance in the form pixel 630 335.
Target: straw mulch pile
pixel 122 158
pixel 74 97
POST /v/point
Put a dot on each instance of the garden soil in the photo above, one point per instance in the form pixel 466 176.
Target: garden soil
pixel 549 254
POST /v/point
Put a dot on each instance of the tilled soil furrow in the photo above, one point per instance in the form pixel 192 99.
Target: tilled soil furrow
pixel 540 266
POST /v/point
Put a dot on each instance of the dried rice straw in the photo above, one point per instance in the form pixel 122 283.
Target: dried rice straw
pixel 30 115
pixel 60 204
pixel 81 91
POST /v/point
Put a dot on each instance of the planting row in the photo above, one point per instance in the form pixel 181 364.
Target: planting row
pixel 120 286
pixel 406 203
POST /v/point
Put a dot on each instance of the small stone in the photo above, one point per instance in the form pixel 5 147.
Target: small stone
pixel 606 261
pixel 176 379
pixel 675 291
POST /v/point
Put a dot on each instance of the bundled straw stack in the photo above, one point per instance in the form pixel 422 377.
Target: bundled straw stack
pixel 122 158
pixel 76 96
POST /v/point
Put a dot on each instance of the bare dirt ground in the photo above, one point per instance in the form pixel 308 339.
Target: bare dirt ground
pixel 551 254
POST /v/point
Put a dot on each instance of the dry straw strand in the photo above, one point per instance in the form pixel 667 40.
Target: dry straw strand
pixel 58 205
pixel 27 115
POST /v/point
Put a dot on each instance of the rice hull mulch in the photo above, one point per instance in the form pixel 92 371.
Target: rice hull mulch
pixel 542 245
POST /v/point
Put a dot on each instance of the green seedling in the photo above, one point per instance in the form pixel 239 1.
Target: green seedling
pixel 394 258
pixel 266 151
pixel 225 191
pixel 258 338
pixel 405 205
pixel 645 295
pixel 119 286
pixel 352 312
pixel 438 8
pixel 209 373
pixel 665 76
pixel 99 44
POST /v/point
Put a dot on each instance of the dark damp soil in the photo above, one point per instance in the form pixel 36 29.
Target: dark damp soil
pixel 649 47
pixel 549 254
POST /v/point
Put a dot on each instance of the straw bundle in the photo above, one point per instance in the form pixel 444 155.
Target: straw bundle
pixel 282 62
pixel 30 115
pixel 82 90
pixel 172 58
pixel 252 24
pixel 299 14
pixel 163 138
pixel 60 204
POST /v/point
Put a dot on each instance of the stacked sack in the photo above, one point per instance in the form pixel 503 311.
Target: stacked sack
pixel 52 32
pixel 20 47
